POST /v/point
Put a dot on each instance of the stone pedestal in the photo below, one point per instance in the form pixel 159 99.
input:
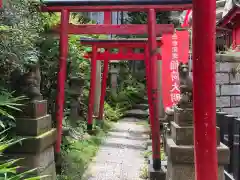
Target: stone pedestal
pixel 180 148
pixel 37 150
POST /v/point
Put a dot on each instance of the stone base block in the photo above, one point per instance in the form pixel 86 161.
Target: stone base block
pixel 34 144
pixel 33 109
pixel 156 174
pixel 183 117
pixel 185 154
pixel 140 106
pixel 31 161
pixel 49 173
pixel 187 172
pixel 183 135
pixel 137 113
pixel 33 127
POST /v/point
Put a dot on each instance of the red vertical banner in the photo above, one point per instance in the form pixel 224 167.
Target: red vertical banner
pixel 0 3
pixel 175 49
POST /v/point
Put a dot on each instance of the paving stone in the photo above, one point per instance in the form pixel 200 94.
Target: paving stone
pixel 120 155
pixel 138 113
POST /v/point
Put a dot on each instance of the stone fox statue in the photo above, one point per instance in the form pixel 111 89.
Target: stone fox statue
pixel 185 83
pixel 27 84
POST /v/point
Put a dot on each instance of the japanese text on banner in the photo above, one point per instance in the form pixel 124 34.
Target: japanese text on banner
pixel 175 92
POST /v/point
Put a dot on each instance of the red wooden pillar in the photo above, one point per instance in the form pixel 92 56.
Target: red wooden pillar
pixel 107 20
pixel 154 89
pixel 61 76
pixel 103 88
pixel 92 87
pixel 204 100
pixel 148 82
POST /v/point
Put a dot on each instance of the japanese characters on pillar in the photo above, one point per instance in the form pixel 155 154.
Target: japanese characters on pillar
pixel 175 49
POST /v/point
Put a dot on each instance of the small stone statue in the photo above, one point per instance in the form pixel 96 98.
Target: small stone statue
pixel 27 84
pixel 185 85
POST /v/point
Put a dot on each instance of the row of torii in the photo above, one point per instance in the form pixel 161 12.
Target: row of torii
pixel 203 66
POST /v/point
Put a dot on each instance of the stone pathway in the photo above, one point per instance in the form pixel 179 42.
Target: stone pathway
pixel 120 156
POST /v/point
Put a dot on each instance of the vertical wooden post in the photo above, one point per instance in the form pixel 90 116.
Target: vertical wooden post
pixel 154 88
pixel 204 89
pixel 61 76
pixel 107 20
pixel 92 88
pixel 148 83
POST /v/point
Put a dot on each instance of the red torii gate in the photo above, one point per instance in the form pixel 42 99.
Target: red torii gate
pixel 204 17
pixel 125 47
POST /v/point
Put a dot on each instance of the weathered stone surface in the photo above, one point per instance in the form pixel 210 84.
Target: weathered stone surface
pixel 223 101
pixel 156 174
pixel 140 106
pixel 49 171
pixel 185 154
pixel 187 172
pixel 218 93
pixel 230 90
pixel 33 127
pixel 222 78
pixel 137 113
pixel 235 79
pixel 235 101
pixel 234 111
pixel 31 161
pixel 229 57
pixel 184 135
pixel 34 110
pixel 34 144
pixel 227 66
pixel 183 117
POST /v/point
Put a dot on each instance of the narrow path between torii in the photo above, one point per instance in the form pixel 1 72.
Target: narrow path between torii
pixel 120 155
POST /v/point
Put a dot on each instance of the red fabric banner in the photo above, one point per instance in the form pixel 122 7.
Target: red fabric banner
pixel 175 49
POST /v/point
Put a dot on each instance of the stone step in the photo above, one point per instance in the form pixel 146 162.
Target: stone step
pixel 137 113
pixel 140 106
pixel 34 144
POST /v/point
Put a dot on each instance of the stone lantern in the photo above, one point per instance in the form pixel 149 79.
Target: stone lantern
pixel 76 85
pixel 114 71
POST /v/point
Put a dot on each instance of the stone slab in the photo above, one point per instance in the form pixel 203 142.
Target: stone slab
pixel 34 110
pixel 183 117
pixel 31 161
pixel 185 154
pixel 137 113
pixel 156 174
pixel 34 144
pixel 33 127
pixel 49 171
pixel 182 135
pixel 140 106
pixel 187 172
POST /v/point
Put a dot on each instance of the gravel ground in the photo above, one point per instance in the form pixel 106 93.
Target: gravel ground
pixel 120 155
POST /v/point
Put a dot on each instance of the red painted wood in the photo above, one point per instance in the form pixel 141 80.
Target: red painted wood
pixel 123 29
pixel 120 56
pixel 148 83
pixel 118 44
pixel 204 87
pixel 61 77
pixel 92 87
pixel 154 89
pixel 107 20
pixel 103 88
pixel 116 8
